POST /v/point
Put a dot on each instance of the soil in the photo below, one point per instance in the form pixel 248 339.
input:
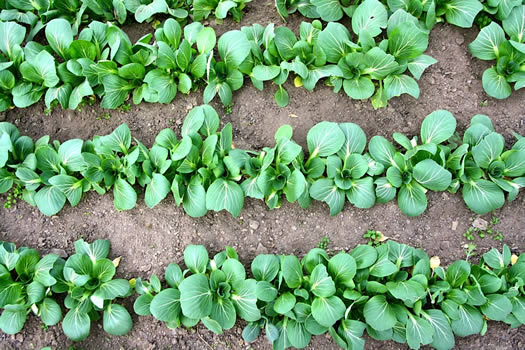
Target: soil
pixel 149 239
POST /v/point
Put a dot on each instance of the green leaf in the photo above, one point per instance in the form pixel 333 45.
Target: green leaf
pixel 438 127
pixel 76 325
pixel 382 150
pixel 418 332
pixel 325 190
pixel 443 336
pixel 327 311
pixel 360 88
pixel 396 85
pixel 342 267
pixel 485 46
pixel 264 73
pixel 233 48
pixel 432 176
pixel 458 273
pixel 412 199
pixel 292 271
pixel 407 291
pixel 13 319
pixel 364 256
pixel 163 84
pixel 99 249
pixel 117 320
pixel 379 64
pixel 40 69
pixel 265 291
pixel 196 259
pixel 284 303
pixel 245 300
pixel 297 334
pixel 514 24
pixel 470 321
pixel 156 190
pixel 12 35
pixel 265 267
pixel 281 97
pixel 334 41
pixel 321 284
pixel 50 200
pixel 419 64
pixel 142 305
pixel 195 297
pixel 194 200
pixel 165 306
pixel 407 41
pixel 482 196
pixel 59 36
pixel 225 195
pixel 76 96
pixel 50 312
pixel 370 16
pixel 116 90
pixel 124 196
pixel 462 12
pixel 145 12
pixel 206 40
pixel 379 314
pixel 329 10
pixel 496 84
pixel 497 307
pixel 325 139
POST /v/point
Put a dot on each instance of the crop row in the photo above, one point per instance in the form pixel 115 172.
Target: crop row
pixel 393 291
pixel 203 170
pixel 103 62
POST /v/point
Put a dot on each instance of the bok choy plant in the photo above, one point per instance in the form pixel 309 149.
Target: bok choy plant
pixel 203 171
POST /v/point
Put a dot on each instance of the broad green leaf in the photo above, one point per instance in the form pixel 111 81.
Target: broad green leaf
pixel 418 332
pixel 284 303
pixel 194 201
pixel 124 196
pixel 50 200
pixel 76 325
pixel 462 12
pixel 485 47
pixel 265 267
pixel 364 256
pixel 412 199
pixel 325 190
pixel 59 36
pixel 99 249
pixel 379 314
pixel 327 311
pixel 458 273
pixel 144 12
pixel 407 291
pixel 497 307
pixel 196 259
pixel 325 139
pixel 482 196
pixel 496 84
pixel 470 321
pixel 396 85
pixel 407 41
pixel 443 337
pixel 382 150
pixel 419 64
pixel 12 35
pixel 13 319
pixel 292 271
pixel 117 320
pixel 156 190
pixel 233 47
pixel 360 88
pixel 206 40
pixel 514 24
pixel 225 195
pixel 321 284
pixel 329 10
pixel 438 127
pixel 281 97
pixel 165 306
pixel 195 297
pixel 245 300
pixel 342 267
pixel 50 312
pixel 370 16
pixel 40 69
pixel 432 176
pixel 335 41
pixel 297 334
pixel 379 64
pixel 264 73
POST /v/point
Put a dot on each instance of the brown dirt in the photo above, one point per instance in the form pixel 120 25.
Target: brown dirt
pixel 149 239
